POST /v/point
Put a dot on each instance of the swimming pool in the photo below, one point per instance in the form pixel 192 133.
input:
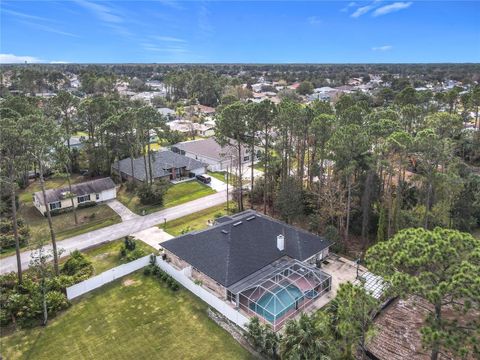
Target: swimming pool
pixel 272 306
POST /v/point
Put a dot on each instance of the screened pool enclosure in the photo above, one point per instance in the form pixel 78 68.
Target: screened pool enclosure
pixel 279 291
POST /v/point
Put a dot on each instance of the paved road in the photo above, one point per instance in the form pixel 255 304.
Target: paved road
pixel 117 231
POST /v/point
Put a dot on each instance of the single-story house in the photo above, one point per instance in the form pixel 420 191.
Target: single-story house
pixel 167 112
pixel 94 191
pixel 166 165
pixel 200 110
pixel 191 128
pixel 209 151
pixel 258 265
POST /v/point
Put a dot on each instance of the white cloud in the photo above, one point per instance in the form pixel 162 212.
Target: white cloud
pixel 24 16
pixel 351 4
pixel 362 11
pixel 396 6
pixel 103 12
pixel 382 48
pixel 314 20
pixel 20 59
pixel 16 59
pixel 169 39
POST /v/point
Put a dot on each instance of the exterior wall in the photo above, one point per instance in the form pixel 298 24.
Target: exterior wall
pixel 209 283
pixel 199 171
pixel 107 195
pixel 67 203
pixel 176 261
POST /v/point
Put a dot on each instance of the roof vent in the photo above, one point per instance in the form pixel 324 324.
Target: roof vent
pixel 251 218
pixel 224 231
pixel 280 242
pixel 237 223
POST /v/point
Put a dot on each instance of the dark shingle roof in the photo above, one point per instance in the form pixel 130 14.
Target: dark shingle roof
pixel 234 249
pixel 161 162
pixel 85 188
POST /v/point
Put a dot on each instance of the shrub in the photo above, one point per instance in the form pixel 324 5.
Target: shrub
pixel 147 270
pixel 135 254
pixel 130 186
pixel 86 204
pixel 7 239
pixel 152 194
pixel 130 243
pixel 56 301
pixel 77 262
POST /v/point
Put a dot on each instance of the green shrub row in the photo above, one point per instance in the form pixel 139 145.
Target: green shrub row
pixel 154 270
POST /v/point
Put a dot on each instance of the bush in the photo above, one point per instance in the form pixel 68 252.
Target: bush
pixel 152 194
pixel 7 239
pixel 56 301
pixel 130 186
pixel 87 204
pixel 135 254
pixel 162 276
pixel 130 243
pixel 77 263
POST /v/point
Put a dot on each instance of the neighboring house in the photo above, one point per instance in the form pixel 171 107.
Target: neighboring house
pixel 199 110
pixel 166 165
pixel 209 151
pixel 191 128
pixel 168 113
pixel 94 191
pixel 258 265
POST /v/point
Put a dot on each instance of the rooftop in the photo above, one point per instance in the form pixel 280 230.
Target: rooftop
pixel 241 244
pixel 161 162
pixel 85 188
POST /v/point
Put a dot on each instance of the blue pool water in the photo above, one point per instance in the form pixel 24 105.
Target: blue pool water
pixel 276 304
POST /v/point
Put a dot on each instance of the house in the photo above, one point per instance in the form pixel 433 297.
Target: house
pixel 200 110
pixel 258 265
pixel 191 128
pixel 89 192
pixel 166 165
pixel 167 113
pixel 209 151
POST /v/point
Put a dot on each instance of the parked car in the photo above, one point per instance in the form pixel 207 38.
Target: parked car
pixel 204 178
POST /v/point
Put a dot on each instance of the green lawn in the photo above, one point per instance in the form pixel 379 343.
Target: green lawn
pixel 176 195
pixel 89 219
pixel 107 256
pixel 196 221
pixel 132 318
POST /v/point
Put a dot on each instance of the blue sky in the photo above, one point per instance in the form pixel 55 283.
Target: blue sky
pixel 88 31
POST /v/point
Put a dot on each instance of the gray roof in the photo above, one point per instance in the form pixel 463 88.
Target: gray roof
pixel 85 188
pixel 247 242
pixel 162 161
pixel 209 148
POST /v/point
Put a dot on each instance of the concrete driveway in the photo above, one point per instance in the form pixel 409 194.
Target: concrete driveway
pixel 217 185
pixel 153 236
pixel 124 212
pixel 117 231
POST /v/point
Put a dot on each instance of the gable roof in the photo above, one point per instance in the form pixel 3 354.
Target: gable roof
pixel 85 188
pixel 242 244
pixel 162 161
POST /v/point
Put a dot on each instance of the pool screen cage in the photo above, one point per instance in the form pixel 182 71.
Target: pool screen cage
pixel 290 287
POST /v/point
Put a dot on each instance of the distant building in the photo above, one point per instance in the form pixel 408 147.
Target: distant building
pixel 166 165
pixel 94 191
pixel 190 128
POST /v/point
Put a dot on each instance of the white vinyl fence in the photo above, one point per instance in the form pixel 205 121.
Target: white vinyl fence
pixel 223 308
pixel 106 277
pixel 180 276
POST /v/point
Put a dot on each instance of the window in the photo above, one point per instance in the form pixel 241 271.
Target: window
pixel 97 196
pixel 231 297
pixel 246 158
pixel 55 205
pixel 83 198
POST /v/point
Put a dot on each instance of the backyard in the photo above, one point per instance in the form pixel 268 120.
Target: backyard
pixel 107 256
pixel 133 317
pixel 196 221
pixel 177 194
pixel 89 219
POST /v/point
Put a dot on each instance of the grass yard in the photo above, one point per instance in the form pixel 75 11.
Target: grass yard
pixel 107 256
pixel 134 317
pixel 177 194
pixel 89 219
pixel 196 221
